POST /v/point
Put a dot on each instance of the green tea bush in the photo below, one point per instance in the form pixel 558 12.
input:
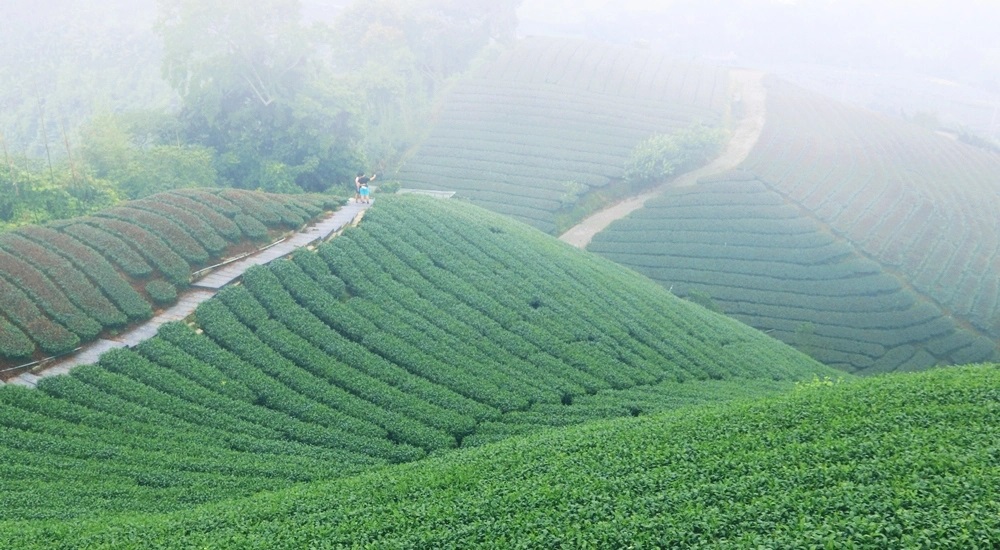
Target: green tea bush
pixel 161 292
pixel 900 461
pixel 908 198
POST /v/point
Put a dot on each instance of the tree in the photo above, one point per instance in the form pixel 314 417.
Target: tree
pixel 252 92
pixel 220 55
pixel 660 156
pixel 36 195
pixel 127 152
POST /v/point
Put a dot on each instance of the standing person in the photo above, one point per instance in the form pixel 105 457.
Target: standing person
pixel 363 192
pixel 360 180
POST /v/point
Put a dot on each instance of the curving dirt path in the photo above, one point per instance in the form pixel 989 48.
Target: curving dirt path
pixel 750 101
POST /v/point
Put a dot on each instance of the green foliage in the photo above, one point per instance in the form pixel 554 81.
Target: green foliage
pixel 92 264
pixel 254 91
pixel 121 150
pixel 765 263
pixel 111 247
pixel 170 231
pixel 47 296
pixel 74 61
pixel 251 227
pixel 704 300
pixel 35 195
pixel 572 192
pixel 161 292
pixel 70 281
pixel 817 382
pixel 401 57
pixel 899 461
pixel 659 157
pixel 389 187
pixel 909 199
pixel 14 343
pixel 78 288
pixel 51 337
pixel 550 111
pixel 431 325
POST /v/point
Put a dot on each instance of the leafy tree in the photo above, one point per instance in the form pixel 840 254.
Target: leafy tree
pixel 35 195
pixel 251 91
pixel 125 150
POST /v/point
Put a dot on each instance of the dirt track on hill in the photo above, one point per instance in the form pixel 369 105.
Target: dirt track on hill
pixel 750 100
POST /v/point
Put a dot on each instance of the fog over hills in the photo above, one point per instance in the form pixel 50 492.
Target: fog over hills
pixel 933 59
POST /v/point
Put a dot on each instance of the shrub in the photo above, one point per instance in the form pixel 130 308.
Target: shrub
pixel 251 227
pixel 161 292
pixel 14 344
pixel 663 155
pixel 389 187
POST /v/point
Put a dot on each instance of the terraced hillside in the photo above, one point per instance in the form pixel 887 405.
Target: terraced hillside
pixel 916 202
pixel 736 243
pixel 552 119
pixel 432 325
pixel 67 282
pixel 901 461
pixel 869 243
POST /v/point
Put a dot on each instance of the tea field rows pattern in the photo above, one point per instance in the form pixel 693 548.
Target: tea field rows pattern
pixel 554 118
pixel 901 461
pixel 869 243
pixel 917 203
pixel 430 326
pixel 741 246
pixel 65 283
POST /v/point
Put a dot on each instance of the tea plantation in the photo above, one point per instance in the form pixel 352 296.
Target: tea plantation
pixel 918 203
pixel 64 283
pixel 431 326
pixel 866 242
pixel 739 245
pixel 899 461
pixel 538 128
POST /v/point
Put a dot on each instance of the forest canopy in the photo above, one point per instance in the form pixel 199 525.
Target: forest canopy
pixel 134 98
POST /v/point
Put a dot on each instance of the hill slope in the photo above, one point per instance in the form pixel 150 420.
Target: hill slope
pixel 433 324
pixel 914 201
pixel 899 461
pixel 64 283
pixel 552 119
pixel 736 243
pixel 867 242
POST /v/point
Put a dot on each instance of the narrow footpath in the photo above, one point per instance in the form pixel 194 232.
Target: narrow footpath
pixel 750 104
pixel 201 290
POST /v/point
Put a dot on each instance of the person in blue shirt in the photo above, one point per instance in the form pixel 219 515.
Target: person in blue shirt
pixel 360 180
pixel 363 192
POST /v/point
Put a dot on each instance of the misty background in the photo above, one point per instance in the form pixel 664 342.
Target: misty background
pixel 931 61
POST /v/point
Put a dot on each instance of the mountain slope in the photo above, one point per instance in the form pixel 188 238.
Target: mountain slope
pixel 736 243
pixel 64 283
pixel 536 129
pixel 916 202
pixel 433 324
pixel 899 461
pixel 869 243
